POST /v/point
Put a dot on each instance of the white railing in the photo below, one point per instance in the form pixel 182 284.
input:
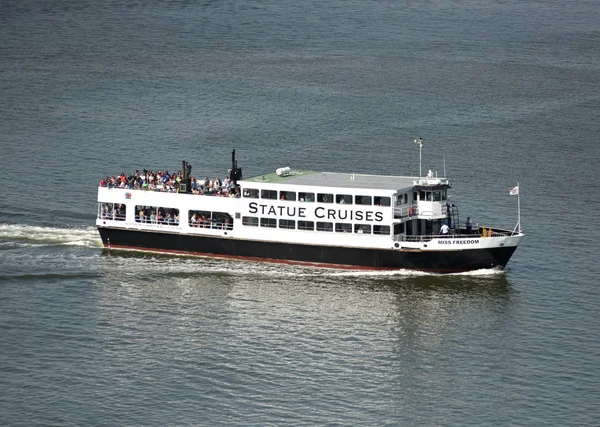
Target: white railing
pixel 456 235
pixel 405 211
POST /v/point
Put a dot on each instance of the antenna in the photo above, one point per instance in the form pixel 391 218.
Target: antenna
pixel 420 142
pixel 444 166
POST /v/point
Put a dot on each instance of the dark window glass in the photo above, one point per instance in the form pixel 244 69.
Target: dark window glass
pixel 324 198
pixel 383 229
pixel 362 200
pixel 306 197
pixel 268 194
pixel 287 195
pixel 250 220
pixel 362 228
pixel 250 192
pixel 306 225
pixel 382 201
pixel 268 222
pixel 344 199
pixel 343 228
pixel 324 226
pixel 287 223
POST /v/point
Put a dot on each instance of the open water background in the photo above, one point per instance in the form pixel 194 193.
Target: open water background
pixel 506 90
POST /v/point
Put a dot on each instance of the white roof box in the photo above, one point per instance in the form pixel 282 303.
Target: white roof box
pixel 283 171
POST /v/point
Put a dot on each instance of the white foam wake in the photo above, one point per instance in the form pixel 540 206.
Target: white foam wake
pixel 33 235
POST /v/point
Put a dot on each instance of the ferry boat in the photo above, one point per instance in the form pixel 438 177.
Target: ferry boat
pixel 325 219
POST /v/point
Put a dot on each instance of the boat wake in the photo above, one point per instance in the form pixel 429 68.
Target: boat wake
pixel 27 235
pixel 415 273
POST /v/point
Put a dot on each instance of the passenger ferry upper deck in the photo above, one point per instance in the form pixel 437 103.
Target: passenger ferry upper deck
pixel 338 179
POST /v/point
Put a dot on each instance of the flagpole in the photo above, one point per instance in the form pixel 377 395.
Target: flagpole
pixel 519 206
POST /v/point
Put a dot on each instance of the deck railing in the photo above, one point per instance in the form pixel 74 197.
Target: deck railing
pixel 405 211
pixel 457 234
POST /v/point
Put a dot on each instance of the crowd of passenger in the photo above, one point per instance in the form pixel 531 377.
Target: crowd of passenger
pixel 166 182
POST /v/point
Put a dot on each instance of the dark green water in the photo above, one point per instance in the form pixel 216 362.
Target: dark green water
pixel 505 92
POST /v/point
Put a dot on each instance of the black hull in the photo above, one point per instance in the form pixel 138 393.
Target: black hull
pixel 325 256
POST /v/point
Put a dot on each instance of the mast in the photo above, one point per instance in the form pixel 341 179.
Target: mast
pixel 420 142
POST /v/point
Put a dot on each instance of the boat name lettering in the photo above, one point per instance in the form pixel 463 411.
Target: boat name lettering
pixel 459 242
pixel 319 212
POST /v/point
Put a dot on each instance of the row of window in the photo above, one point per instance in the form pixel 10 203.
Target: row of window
pixel 348 199
pixel 222 220
pixel 339 227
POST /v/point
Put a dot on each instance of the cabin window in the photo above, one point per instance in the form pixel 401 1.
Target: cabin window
pixel 287 223
pixel 382 229
pixel 343 227
pixel 222 221
pixel 113 211
pixel 200 219
pixel 324 198
pixel 382 201
pixel 343 199
pixel 398 229
pixel 287 195
pixel 251 221
pixel 142 213
pixel 306 197
pixel 268 194
pixel 324 226
pixel 443 195
pixel 362 200
pixel 415 198
pixel 167 216
pixel 362 228
pixel 306 225
pixel 251 193
pixel 437 196
pixel 154 215
pixel 268 222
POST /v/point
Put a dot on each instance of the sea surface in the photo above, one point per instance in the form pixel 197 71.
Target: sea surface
pixel 502 92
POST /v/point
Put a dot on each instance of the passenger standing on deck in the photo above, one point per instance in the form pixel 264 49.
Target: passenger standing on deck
pixel 444 229
pixel 469 225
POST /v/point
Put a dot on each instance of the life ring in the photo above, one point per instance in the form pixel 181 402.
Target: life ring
pixel 411 211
